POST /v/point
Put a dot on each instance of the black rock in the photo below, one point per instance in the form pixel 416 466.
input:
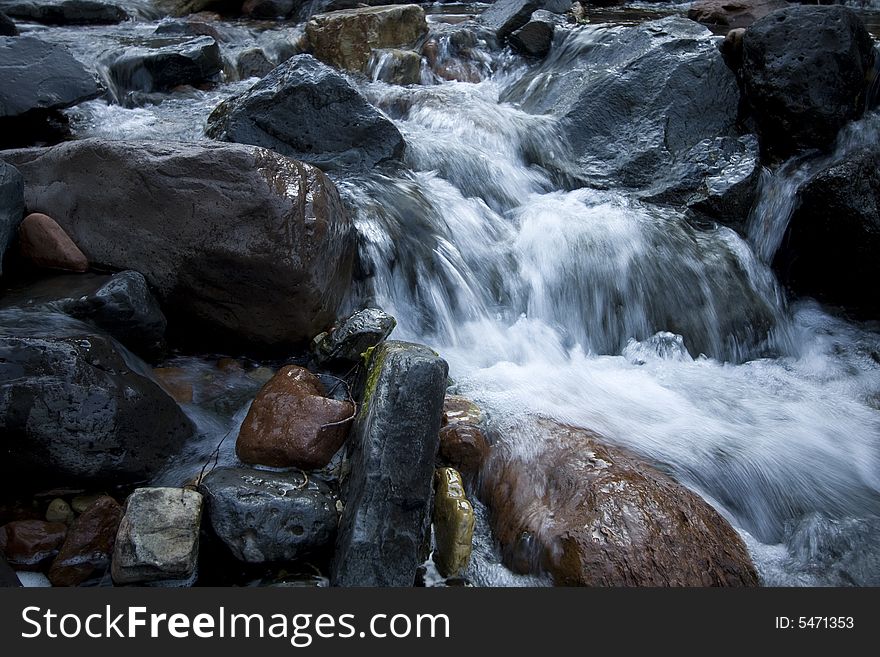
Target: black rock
pixel 804 70
pixel 354 336
pixel 25 86
pixel 66 12
pixel 830 249
pixel 306 110
pixel 535 37
pixel 270 8
pixel 161 69
pixel 253 63
pixel 8 578
pixel 11 206
pixel 505 16
pixel 121 304
pixel 265 516
pixel 391 450
pixel 77 408
pixel 7 26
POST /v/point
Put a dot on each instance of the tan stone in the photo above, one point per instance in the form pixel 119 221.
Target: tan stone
pixel 453 523
pixel 60 511
pixel 46 244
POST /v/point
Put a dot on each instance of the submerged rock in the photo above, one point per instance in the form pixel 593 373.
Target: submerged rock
pixel 88 547
pixel 292 423
pixel 453 524
pixel 733 13
pixel 395 66
pixel 66 12
pixel 353 337
pixel 335 127
pixel 392 448
pixel 29 544
pixel 161 69
pixel 45 244
pixel 11 206
pixel 804 75
pixel 100 418
pixel 267 517
pixel 345 38
pixel 248 242
pixel 590 514
pixel 158 537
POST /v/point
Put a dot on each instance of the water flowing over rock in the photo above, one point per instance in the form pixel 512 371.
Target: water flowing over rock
pixel 395 66
pixel 804 71
pixel 353 337
pixel 652 108
pixel 383 531
pixel 733 13
pixel 88 547
pixel 44 243
pixel 161 69
pixel 265 517
pixel 334 126
pixel 11 206
pixel 99 419
pixel 158 538
pixel 120 304
pixel 66 12
pixel 833 238
pixel 346 38
pixel 593 515
pixel 251 243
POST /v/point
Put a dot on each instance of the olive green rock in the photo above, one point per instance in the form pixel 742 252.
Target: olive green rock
pixel 60 511
pixel 453 523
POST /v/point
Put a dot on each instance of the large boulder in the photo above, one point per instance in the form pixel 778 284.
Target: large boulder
pixel 160 69
pixel 120 304
pixel 505 16
pixel 652 108
pixel 66 12
pixel 733 13
pixel 306 110
pixel 75 407
pixel 292 423
pixel 255 245
pixel 11 206
pixel 589 514
pixel 830 249
pixel 267 517
pixel 385 524
pixel 804 70
pixel 346 38
pixel 88 547
pixel 24 85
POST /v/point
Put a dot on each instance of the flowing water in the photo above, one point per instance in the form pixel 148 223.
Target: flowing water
pixel 584 305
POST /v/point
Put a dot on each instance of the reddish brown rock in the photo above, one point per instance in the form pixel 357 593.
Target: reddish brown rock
pixel 46 244
pixel 464 447
pixel 594 515
pixel 458 409
pixel 88 547
pixel 291 423
pixel 175 381
pixel 733 13
pixel 28 544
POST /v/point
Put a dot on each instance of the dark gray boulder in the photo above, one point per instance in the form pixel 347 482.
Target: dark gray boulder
pixel 353 337
pixel 77 408
pixel 265 516
pixel 66 12
pixel 35 75
pixel 11 206
pixel 7 26
pixel 246 242
pixel 535 37
pixel 160 69
pixel 833 238
pixel 270 8
pixel 121 304
pixel 253 63
pixel 307 110
pixel 505 16
pixel 392 448
pixel 804 70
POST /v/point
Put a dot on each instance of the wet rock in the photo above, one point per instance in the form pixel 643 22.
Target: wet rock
pixel 391 451
pixel 592 515
pixel 270 516
pixel 643 107
pixel 833 238
pixel 60 511
pixel 336 128
pixel 7 26
pixel 66 12
pixel 161 69
pixel 81 503
pixel 120 304
pixel 505 16
pixel 24 87
pixel 226 239
pixel 29 544
pixel 158 538
pixel 804 70
pixel 458 52
pixel 85 554
pixel 733 13
pixel 44 243
pixel 345 38
pixel 354 336
pixel 176 382
pixel 292 423
pixel 189 27
pixel 270 8
pixel 464 447
pixel 535 37
pixel 8 578
pixel 461 410
pixel 732 48
pixel 99 418
pixel 395 66
pixel 253 63
pixel 11 206
pixel 453 524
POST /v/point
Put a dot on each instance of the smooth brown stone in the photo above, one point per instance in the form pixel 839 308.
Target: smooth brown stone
pixel 46 244
pixel 88 547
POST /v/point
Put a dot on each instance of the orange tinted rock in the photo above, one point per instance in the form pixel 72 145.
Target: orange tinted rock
pixel 46 244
